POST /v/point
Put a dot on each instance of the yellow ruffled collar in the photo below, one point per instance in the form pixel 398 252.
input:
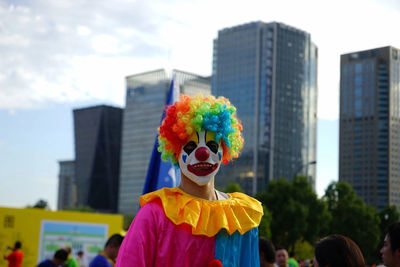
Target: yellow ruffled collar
pixel 237 213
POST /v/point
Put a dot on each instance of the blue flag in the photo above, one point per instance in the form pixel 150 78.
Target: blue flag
pixel 160 173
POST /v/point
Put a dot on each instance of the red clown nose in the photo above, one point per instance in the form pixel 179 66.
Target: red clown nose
pixel 214 263
pixel 202 153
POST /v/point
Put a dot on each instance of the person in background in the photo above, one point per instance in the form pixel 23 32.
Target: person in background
pixel 108 256
pixel 16 256
pixel 338 251
pixel 282 257
pixel 71 261
pixel 267 252
pixel 292 261
pixel 79 258
pixel 59 258
pixel 391 246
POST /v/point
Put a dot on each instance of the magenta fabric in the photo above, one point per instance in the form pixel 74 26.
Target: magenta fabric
pixel 153 240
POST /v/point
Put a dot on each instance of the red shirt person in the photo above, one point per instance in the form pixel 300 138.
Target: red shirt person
pixel 15 257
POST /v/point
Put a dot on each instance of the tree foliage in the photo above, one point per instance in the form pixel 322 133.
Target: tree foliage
pixel 264 228
pixel 127 221
pixel 81 209
pixel 388 215
pixel 232 187
pixel 353 218
pixel 297 213
pixel 40 204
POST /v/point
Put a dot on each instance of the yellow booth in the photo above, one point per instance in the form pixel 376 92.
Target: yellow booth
pixel 42 232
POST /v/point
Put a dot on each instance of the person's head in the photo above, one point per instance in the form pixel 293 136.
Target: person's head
pixel 338 251
pixel 391 246
pixel 80 254
pixel 198 133
pixel 281 256
pixel 68 250
pixel 112 246
pixel 267 252
pixel 60 256
pixel 17 245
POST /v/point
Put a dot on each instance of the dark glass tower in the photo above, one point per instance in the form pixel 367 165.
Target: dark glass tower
pixel 97 156
pixel 369 149
pixel 268 71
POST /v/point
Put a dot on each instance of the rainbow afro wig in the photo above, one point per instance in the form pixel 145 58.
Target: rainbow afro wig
pixel 193 114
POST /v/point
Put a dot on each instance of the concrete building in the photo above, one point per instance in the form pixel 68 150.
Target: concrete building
pixel 66 185
pixel 369 149
pixel 145 99
pixel 269 72
pixel 97 156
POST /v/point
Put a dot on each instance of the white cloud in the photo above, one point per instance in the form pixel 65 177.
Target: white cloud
pixel 83 30
pixel 68 51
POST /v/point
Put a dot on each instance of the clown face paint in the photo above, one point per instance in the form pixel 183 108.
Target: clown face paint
pixel 200 158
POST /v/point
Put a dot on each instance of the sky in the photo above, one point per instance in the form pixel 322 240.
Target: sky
pixel 59 55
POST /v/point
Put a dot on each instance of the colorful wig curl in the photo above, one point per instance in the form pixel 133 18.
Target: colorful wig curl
pixel 191 114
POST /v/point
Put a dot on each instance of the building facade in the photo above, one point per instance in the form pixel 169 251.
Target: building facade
pixel 369 149
pixel 269 72
pixel 66 185
pixel 145 99
pixel 97 156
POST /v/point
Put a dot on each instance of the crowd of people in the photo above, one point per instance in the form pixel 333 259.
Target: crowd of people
pixel 334 251
pixel 63 256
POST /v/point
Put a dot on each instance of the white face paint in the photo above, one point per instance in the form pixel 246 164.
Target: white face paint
pixel 200 158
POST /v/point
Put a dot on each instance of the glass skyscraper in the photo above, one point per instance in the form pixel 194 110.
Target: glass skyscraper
pixel 145 99
pixel 269 72
pixel 369 149
pixel 97 156
pixel 66 185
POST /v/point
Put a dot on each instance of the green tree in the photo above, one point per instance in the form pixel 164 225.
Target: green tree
pixel 127 221
pixel 264 228
pixel 233 187
pixel 81 209
pixel 353 218
pixel 297 213
pixel 388 215
pixel 40 204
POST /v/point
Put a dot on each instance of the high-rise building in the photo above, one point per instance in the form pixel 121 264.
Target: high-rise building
pixel 369 149
pixel 269 72
pixel 97 156
pixel 145 99
pixel 66 185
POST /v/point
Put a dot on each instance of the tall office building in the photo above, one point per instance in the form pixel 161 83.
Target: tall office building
pixel 269 72
pixel 97 156
pixel 145 99
pixel 66 185
pixel 369 150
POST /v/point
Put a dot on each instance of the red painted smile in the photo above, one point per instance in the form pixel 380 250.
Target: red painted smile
pixel 202 168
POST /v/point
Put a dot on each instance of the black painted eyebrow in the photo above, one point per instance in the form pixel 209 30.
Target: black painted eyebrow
pixel 198 137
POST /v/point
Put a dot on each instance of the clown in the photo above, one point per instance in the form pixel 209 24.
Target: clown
pixel 195 224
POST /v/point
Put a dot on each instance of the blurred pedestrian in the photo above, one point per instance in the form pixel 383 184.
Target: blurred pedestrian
pixel 107 257
pixel 267 252
pixel 59 258
pixel 338 251
pixel 79 258
pixel 391 247
pixel 16 256
pixel 71 261
pixel 282 257
pixel 292 261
